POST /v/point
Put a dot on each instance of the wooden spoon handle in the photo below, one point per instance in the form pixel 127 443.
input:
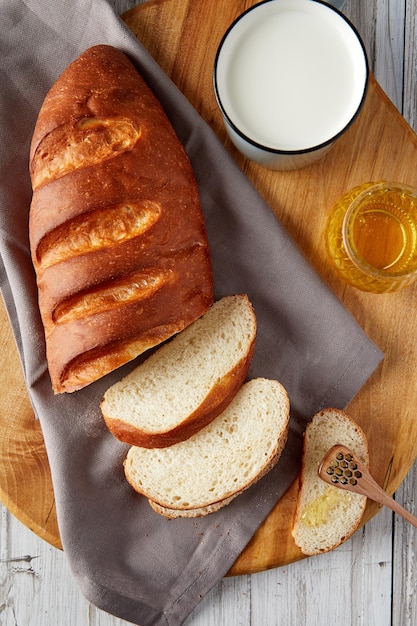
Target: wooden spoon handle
pixel 380 496
pixel 370 488
pixel 341 468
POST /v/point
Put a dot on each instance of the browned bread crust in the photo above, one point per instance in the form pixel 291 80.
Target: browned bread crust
pixel 190 513
pixel 117 234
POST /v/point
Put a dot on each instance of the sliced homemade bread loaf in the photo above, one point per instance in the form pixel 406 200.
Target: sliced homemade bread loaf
pixel 198 476
pixel 187 382
pixel 325 515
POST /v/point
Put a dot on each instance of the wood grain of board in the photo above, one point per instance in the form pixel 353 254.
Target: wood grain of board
pixel 183 37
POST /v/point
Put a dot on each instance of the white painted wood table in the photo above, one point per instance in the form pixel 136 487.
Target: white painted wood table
pixel 371 580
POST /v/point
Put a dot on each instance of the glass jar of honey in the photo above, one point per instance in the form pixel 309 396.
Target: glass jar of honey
pixel 371 236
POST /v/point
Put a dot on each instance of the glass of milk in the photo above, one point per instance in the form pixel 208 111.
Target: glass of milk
pixel 290 77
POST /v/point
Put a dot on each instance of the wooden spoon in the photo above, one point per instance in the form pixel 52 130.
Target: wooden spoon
pixel 341 468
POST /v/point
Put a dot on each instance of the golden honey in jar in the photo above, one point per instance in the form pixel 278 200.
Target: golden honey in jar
pixel 371 236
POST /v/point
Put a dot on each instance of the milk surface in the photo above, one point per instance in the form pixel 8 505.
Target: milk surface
pixel 292 77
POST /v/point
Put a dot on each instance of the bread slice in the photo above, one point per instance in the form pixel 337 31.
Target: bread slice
pixel 187 382
pixel 165 511
pixel 325 515
pixel 198 476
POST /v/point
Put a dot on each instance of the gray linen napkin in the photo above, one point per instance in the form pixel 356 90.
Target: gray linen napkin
pixel 128 560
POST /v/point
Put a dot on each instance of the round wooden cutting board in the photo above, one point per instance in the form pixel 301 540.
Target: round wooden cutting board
pixel 183 37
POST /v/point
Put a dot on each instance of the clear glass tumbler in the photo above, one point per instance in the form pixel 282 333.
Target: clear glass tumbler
pixel 371 236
